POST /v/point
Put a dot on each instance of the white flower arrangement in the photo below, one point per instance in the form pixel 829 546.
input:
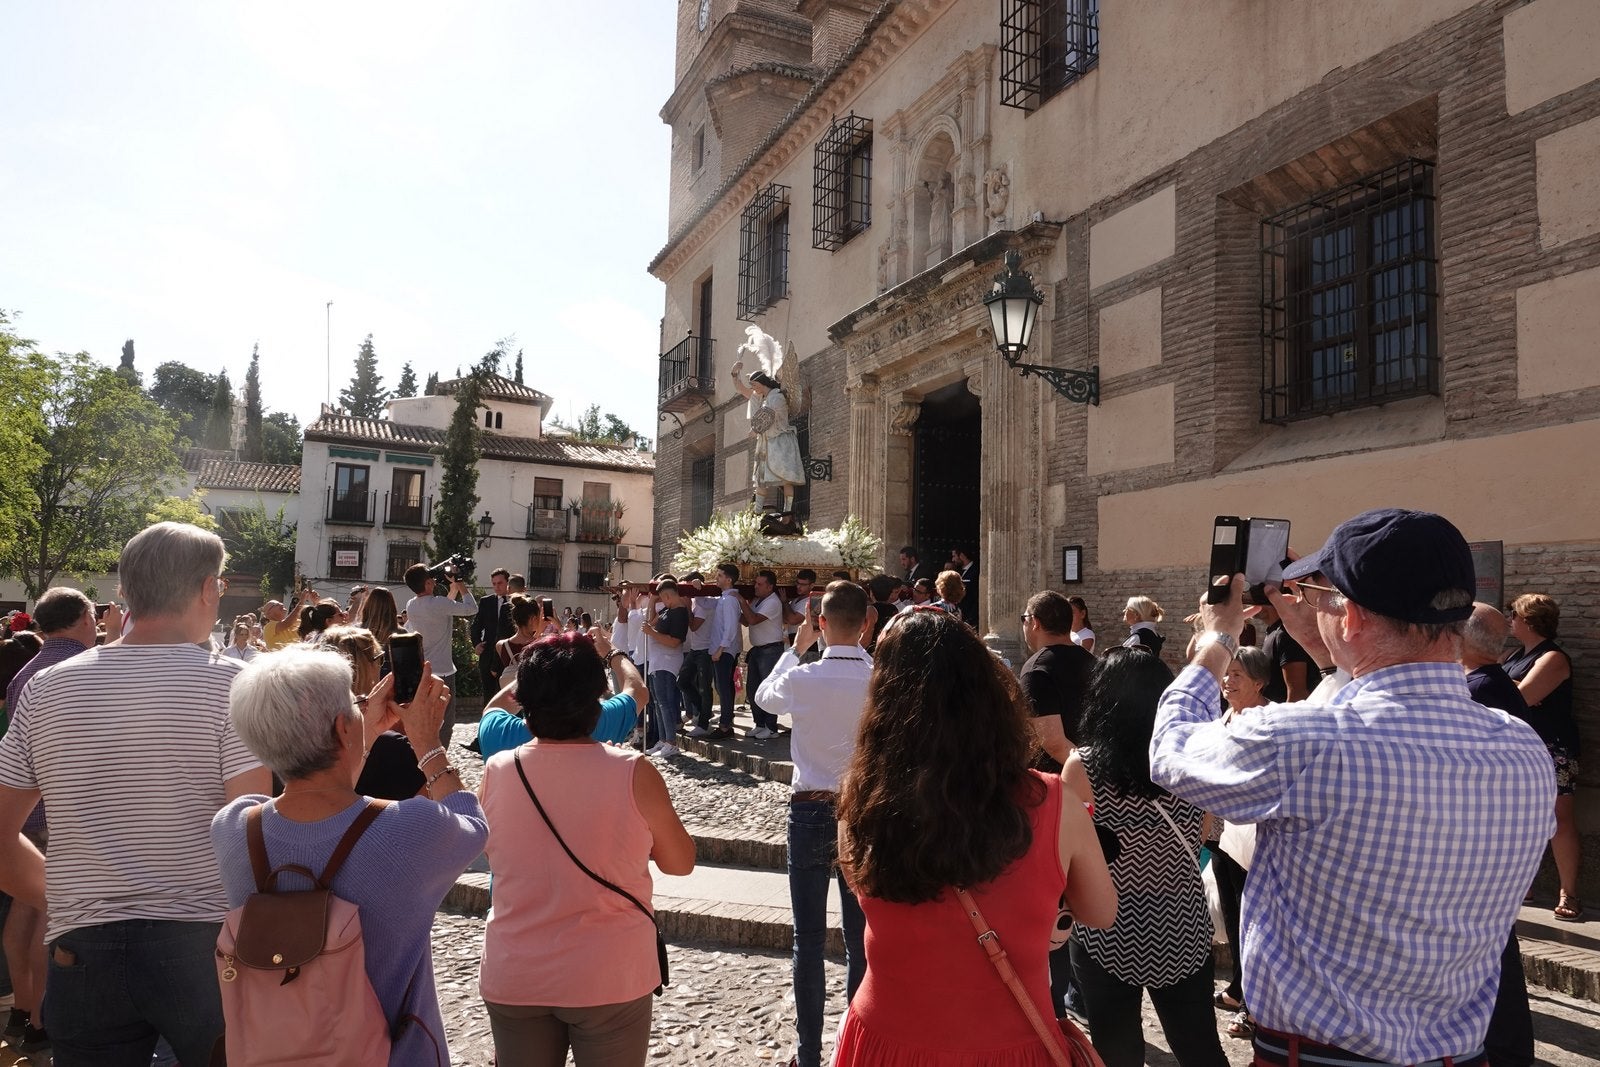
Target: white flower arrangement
pixel 855 544
pixel 737 538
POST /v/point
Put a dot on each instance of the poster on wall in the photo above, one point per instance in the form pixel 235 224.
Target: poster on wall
pixel 346 558
pixel 1488 561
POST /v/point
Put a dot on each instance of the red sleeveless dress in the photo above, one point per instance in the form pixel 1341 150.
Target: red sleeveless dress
pixel 931 996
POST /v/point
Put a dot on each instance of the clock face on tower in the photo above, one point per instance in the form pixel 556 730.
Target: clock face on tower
pixel 705 13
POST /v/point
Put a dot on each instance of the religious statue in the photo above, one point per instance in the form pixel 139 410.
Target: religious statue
pixel 776 468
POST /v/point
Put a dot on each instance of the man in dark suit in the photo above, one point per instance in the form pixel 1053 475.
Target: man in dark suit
pixel 488 627
pixel 911 563
pixel 965 556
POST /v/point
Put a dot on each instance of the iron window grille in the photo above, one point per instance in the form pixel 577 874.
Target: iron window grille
pixel 842 181
pixel 348 571
pixel 592 568
pixel 1349 297
pixel 1045 46
pixel 544 569
pixel 764 251
pixel 802 492
pixel 702 490
pixel 402 554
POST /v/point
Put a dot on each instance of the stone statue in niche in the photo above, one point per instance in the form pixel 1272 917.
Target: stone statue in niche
pixel 883 267
pixel 777 468
pixel 996 195
pixel 938 221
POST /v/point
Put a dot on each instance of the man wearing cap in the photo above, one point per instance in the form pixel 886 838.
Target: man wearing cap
pixel 1361 937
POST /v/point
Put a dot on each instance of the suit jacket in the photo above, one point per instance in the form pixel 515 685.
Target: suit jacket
pixel 487 624
pixel 923 569
pixel 969 603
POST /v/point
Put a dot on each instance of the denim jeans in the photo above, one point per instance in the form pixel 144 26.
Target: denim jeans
pixel 758 663
pixel 813 863
pixel 722 670
pixel 113 989
pixel 664 684
pixel 694 685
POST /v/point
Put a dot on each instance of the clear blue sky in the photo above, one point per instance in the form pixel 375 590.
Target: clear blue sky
pixel 202 176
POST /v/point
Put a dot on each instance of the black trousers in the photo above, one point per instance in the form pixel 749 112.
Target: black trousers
pixel 1113 1009
pixel 1509 1042
pixel 1230 889
pixel 489 671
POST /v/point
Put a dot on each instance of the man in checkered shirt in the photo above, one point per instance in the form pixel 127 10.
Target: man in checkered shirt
pixel 1398 825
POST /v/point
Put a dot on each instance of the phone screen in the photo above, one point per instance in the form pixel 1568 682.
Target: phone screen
pixel 1268 545
pixel 814 606
pixel 405 663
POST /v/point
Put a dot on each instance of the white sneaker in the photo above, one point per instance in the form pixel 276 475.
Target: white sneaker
pixel 664 750
pixel 761 733
pixel 700 731
pixel 655 749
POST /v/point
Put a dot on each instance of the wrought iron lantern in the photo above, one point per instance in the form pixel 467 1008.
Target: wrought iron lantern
pixel 1013 305
pixel 485 528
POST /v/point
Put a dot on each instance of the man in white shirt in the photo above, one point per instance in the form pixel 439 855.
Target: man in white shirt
pixel 434 617
pixel 726 644
pixel 694 680
pixel 764 617
pixel 825 700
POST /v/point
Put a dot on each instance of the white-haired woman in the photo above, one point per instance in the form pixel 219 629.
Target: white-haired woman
pixel 1141 614
pixel 294 711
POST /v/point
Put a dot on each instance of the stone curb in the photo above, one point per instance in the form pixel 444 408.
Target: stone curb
pixel 740 848
pixel 1566 967
pixel 740 760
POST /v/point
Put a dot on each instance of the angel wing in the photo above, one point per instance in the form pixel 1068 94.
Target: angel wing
pixel 789 379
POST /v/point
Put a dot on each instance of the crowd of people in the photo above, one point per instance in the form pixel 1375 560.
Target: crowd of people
pixel 1324 752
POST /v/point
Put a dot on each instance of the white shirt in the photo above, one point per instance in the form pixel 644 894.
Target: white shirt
pixel 636 637
pixel 705 609
pixel 798 605
pixel 769 631
pixel 725 624
pixel 244 655
pixel 1080 636
pixel 434 617
pixel 621 636
pixel 825 700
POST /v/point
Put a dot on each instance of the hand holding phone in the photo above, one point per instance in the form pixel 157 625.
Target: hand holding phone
pixel 1255 548
pixel 405 663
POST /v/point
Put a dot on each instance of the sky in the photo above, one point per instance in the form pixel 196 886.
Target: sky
pixel 205 176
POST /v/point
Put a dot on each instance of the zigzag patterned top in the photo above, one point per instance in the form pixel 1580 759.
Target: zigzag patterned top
pixel 1163 930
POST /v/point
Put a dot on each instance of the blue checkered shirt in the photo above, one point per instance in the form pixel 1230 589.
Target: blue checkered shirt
pixel 1398 828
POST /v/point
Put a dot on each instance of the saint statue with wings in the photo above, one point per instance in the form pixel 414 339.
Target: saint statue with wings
pixel 777 467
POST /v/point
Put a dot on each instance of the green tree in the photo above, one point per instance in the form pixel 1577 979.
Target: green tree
pixel 455 524
pixel 185 394
pixel 108 457
pixel 181 509
pixel 519 367
pixel 281 439
pixel 597 428
pixel 407 385
pixel 261 542
pixel 219 419
pixel 252 407
pixel 126 368
pixel 366 394
pixel 22 392
pixel 433 384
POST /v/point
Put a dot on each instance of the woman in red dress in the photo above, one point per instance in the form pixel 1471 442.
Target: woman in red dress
pixel 939 795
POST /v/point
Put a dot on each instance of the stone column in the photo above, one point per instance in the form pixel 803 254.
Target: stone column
pixel 899 490
pixel 1011 521
pixel 866 471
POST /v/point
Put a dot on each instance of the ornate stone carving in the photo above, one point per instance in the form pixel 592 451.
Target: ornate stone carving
pixel 996 194
pixel 883 267
pixel 903 417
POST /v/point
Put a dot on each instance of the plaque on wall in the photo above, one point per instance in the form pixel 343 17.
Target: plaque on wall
pixel 1072 564
pixel 346 558
pixel 1488 562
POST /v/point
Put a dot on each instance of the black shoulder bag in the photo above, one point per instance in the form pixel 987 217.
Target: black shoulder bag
pixel 661 944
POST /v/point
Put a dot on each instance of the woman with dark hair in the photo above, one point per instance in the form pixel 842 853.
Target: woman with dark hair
pixel 380 615
pixel 1543 673
pixel 1082 631
pixel 1161 940
pixel 315 618
pixel 570 963
pixel 938 797
pixel 528 617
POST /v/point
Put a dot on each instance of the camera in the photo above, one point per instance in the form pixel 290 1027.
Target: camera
pixel 456 568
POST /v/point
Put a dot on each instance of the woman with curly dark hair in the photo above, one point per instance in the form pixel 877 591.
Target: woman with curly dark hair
pixel 1161 940
pixel 939 797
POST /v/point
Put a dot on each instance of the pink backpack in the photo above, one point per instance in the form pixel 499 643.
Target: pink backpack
pixel 292 968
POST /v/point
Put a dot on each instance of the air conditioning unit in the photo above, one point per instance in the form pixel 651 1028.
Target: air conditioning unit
pixel 623 552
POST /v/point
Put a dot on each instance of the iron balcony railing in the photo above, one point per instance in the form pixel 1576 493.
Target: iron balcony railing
pixel 686 372
pixel 353 508
pixel 403 510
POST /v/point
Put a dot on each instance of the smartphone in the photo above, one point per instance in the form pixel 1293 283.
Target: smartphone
pixel 814 606
pixel 1253 547
pixel 100 610
pixel 405 663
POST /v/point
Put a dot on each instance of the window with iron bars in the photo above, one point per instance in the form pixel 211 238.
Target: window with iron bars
pixel 402 554
pixel 702 490
pixel 842 180
pixel 1349 297
pixel 544 569
pixel 1045 46
pixel 802 492
pixel 592 568
pixel 764 251
pixel 347 560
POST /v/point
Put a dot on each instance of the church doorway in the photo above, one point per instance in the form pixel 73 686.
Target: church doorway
pixel 946 473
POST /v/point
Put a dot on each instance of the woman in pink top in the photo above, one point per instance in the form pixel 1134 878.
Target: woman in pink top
pixel 568 962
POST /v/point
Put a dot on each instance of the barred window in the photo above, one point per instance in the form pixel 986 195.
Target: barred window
pixel 1349 287
pixel 402 554
pixel 544 569
pixel 547 493
pixel 842 181
pixel 802 492
pixel 1045 46
pixel 764 251
pixel 347 559
pixel 592 568
pixel 702 490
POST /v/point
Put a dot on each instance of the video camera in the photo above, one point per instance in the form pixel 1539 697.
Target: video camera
pixel 456 568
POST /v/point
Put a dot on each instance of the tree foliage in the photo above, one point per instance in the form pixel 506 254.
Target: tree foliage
pixel 433 384
pixel 186 509
pixel 281 439
pixel 252 407
pixel 22 390
pixel 261 542
pixel 407 385
pixel 219 419
pixel 185 394
pixel 126 367
pixel 597 428
pixel 455 526
pixel 108 457
pixel 519 368
pixel 366 394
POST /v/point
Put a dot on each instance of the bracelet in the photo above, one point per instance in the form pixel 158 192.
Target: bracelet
pixel 446 769
pixel 615 652
pixel 1329 671
pixel 426 756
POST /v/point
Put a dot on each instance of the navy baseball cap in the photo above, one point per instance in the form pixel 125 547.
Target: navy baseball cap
pixel 1395 562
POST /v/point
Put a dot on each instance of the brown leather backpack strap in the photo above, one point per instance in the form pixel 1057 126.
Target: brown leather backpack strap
pixel 341 853
pixel 258 847
pixel 1050 1035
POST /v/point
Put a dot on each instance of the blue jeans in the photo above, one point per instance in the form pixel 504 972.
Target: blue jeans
pixel 758 663
pixel 664 684
pixel 813 863
pixel 694 685
pixel 722 671
pixel 113 989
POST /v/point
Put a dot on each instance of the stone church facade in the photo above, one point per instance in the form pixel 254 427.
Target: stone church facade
pixel 1324 257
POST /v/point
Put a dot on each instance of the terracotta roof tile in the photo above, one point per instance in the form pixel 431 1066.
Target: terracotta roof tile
pixel 237 474
pixel 496 387
pixel 383 433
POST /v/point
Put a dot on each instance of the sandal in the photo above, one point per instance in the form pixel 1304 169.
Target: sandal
pixel 1241 1025
pixel 1222 1000
pixel 1568 909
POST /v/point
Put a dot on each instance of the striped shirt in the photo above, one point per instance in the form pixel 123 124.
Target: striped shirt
pixel 1397 829
pixel 130 747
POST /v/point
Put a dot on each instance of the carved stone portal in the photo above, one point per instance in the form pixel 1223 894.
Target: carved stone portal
pixel 903 417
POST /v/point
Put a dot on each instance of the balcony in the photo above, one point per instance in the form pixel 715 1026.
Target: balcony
pixel 350 508
pixel 600 522
pixel 408 511
pixel 547 523
pixel 686 374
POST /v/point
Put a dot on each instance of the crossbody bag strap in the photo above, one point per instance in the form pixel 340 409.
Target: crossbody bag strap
pixel 1183 842
pixel 258 847
pixel 517 758
pixel 341 851
pixel 990 941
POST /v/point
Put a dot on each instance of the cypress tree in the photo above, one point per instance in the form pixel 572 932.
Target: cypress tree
pixel 366 393
pixel 253 448
pixel 455 526
pixel 407 385
pixel 219 421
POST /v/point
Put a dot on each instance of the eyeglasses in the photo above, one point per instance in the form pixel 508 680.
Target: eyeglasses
pixel 1300 586
pixel 222 585
pixel 1025 616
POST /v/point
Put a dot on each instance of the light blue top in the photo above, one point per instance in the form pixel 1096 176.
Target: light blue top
pixel 500 729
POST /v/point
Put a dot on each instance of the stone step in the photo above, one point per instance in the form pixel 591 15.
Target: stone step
pixel 1560 955
pixel 740 848
pixel 767 759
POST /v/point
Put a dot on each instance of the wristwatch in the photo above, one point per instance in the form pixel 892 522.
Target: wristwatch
pixel 1229 643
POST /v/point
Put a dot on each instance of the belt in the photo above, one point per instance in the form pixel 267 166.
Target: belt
pixel 769 644
pixel 1291 1050
pixel 822 796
